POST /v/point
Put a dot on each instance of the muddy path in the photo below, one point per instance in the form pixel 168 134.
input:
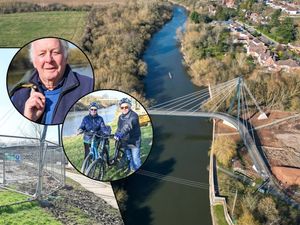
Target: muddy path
pixel 73 205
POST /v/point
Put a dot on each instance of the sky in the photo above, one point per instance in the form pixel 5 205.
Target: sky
pixel 11 121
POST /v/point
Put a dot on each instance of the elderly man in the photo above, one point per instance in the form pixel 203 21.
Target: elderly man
pixel 130 133
pixel 54 87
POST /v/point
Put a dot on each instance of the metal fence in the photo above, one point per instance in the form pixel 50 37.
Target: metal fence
pixel 32 168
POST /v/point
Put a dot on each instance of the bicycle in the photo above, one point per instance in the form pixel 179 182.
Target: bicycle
pixel 94 153
pixel 98 168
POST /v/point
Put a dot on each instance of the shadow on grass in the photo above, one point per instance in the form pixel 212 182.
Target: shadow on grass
pixel 19 207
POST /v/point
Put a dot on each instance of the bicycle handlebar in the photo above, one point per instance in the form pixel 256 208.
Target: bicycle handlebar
pixel 92 133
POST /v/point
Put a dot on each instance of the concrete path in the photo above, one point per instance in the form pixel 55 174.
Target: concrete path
pixel 100 189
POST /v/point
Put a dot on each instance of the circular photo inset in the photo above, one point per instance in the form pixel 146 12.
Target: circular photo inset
pixel 107 135
pixel 46 77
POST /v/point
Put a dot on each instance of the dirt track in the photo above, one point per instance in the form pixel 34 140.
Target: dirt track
pixel 287 176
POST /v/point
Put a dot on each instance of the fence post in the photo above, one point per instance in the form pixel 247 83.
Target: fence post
pixel 63 157
pixel 4 181
pixel 40 170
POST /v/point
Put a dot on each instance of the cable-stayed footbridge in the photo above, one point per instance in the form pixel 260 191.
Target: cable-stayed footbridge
pixel 230 102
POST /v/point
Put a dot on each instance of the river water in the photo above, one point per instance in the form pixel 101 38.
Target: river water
pixel 177 190
pixel 74 119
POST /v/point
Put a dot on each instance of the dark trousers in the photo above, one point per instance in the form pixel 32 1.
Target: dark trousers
pixel 86 149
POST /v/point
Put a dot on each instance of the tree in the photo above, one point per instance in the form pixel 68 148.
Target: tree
pixel 267 208
pixel 198 18
pixel 247 219
pixel 249 202
pixel 286 31
pixel 225 149
pixel 275 18
pixel 195 17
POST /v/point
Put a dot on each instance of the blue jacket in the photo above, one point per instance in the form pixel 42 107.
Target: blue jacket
pixel 92 123
pixel 129 127
pixel 74 86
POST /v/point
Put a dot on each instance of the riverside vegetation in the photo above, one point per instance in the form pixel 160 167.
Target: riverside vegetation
pixel 115 38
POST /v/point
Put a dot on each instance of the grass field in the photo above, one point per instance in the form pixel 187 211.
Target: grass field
pixel 18 29
pixel 68 2
pixel 26 213
pixel 74 150
pixel 219 215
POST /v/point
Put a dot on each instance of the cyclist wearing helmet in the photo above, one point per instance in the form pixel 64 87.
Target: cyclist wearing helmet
pixel 129 131
pixel 91 123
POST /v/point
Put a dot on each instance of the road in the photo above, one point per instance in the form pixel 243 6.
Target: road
pixel 247 26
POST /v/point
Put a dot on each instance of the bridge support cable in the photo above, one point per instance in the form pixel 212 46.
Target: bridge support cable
pixel 201 94
pixel 8 113
pixel 220 98
pixel 198 99
pixel 182 106
pixel 182 102
pixel 217 97
pixel 173 179
pixel 173 101
pixel 251 128
pixel 218 87
pixel 187 102
pixel 263 115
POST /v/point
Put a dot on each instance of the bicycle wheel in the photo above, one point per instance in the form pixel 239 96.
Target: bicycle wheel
pixel 97 169
pixel 86 163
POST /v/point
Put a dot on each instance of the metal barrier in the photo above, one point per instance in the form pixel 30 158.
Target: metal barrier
pixel 34 168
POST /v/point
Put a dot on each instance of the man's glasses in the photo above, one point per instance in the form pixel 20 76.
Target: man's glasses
pixel 93 109
pixel 124 107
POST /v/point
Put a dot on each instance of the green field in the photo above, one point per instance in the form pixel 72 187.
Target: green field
pixel 26 213
pixel 74 150
pixel 18 29
pixel 219 215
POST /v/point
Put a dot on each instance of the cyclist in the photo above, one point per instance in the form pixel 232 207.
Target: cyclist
pixel 92 123
pixel 129 131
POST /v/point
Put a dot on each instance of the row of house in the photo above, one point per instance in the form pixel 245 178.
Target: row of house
pixel 261 51
pixel 290 8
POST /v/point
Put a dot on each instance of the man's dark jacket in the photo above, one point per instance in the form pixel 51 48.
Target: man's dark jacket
pixel 74 86
pixel 129 127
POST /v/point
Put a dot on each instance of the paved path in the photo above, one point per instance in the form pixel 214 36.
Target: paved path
pixel 100 189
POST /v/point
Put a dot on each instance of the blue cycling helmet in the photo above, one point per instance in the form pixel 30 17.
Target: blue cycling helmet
pixel 94 104
pixel 125 100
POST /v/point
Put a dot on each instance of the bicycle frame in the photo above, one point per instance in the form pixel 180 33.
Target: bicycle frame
pixel 94 148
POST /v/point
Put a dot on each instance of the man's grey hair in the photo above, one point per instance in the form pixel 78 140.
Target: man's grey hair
pixel 64 44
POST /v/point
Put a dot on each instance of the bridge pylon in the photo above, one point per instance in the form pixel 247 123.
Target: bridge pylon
pixel 240 94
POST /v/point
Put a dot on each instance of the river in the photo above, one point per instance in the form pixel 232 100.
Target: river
pixel 74 119
pixel 179 155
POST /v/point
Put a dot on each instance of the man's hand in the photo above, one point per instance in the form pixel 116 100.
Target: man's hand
pixel 35 105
